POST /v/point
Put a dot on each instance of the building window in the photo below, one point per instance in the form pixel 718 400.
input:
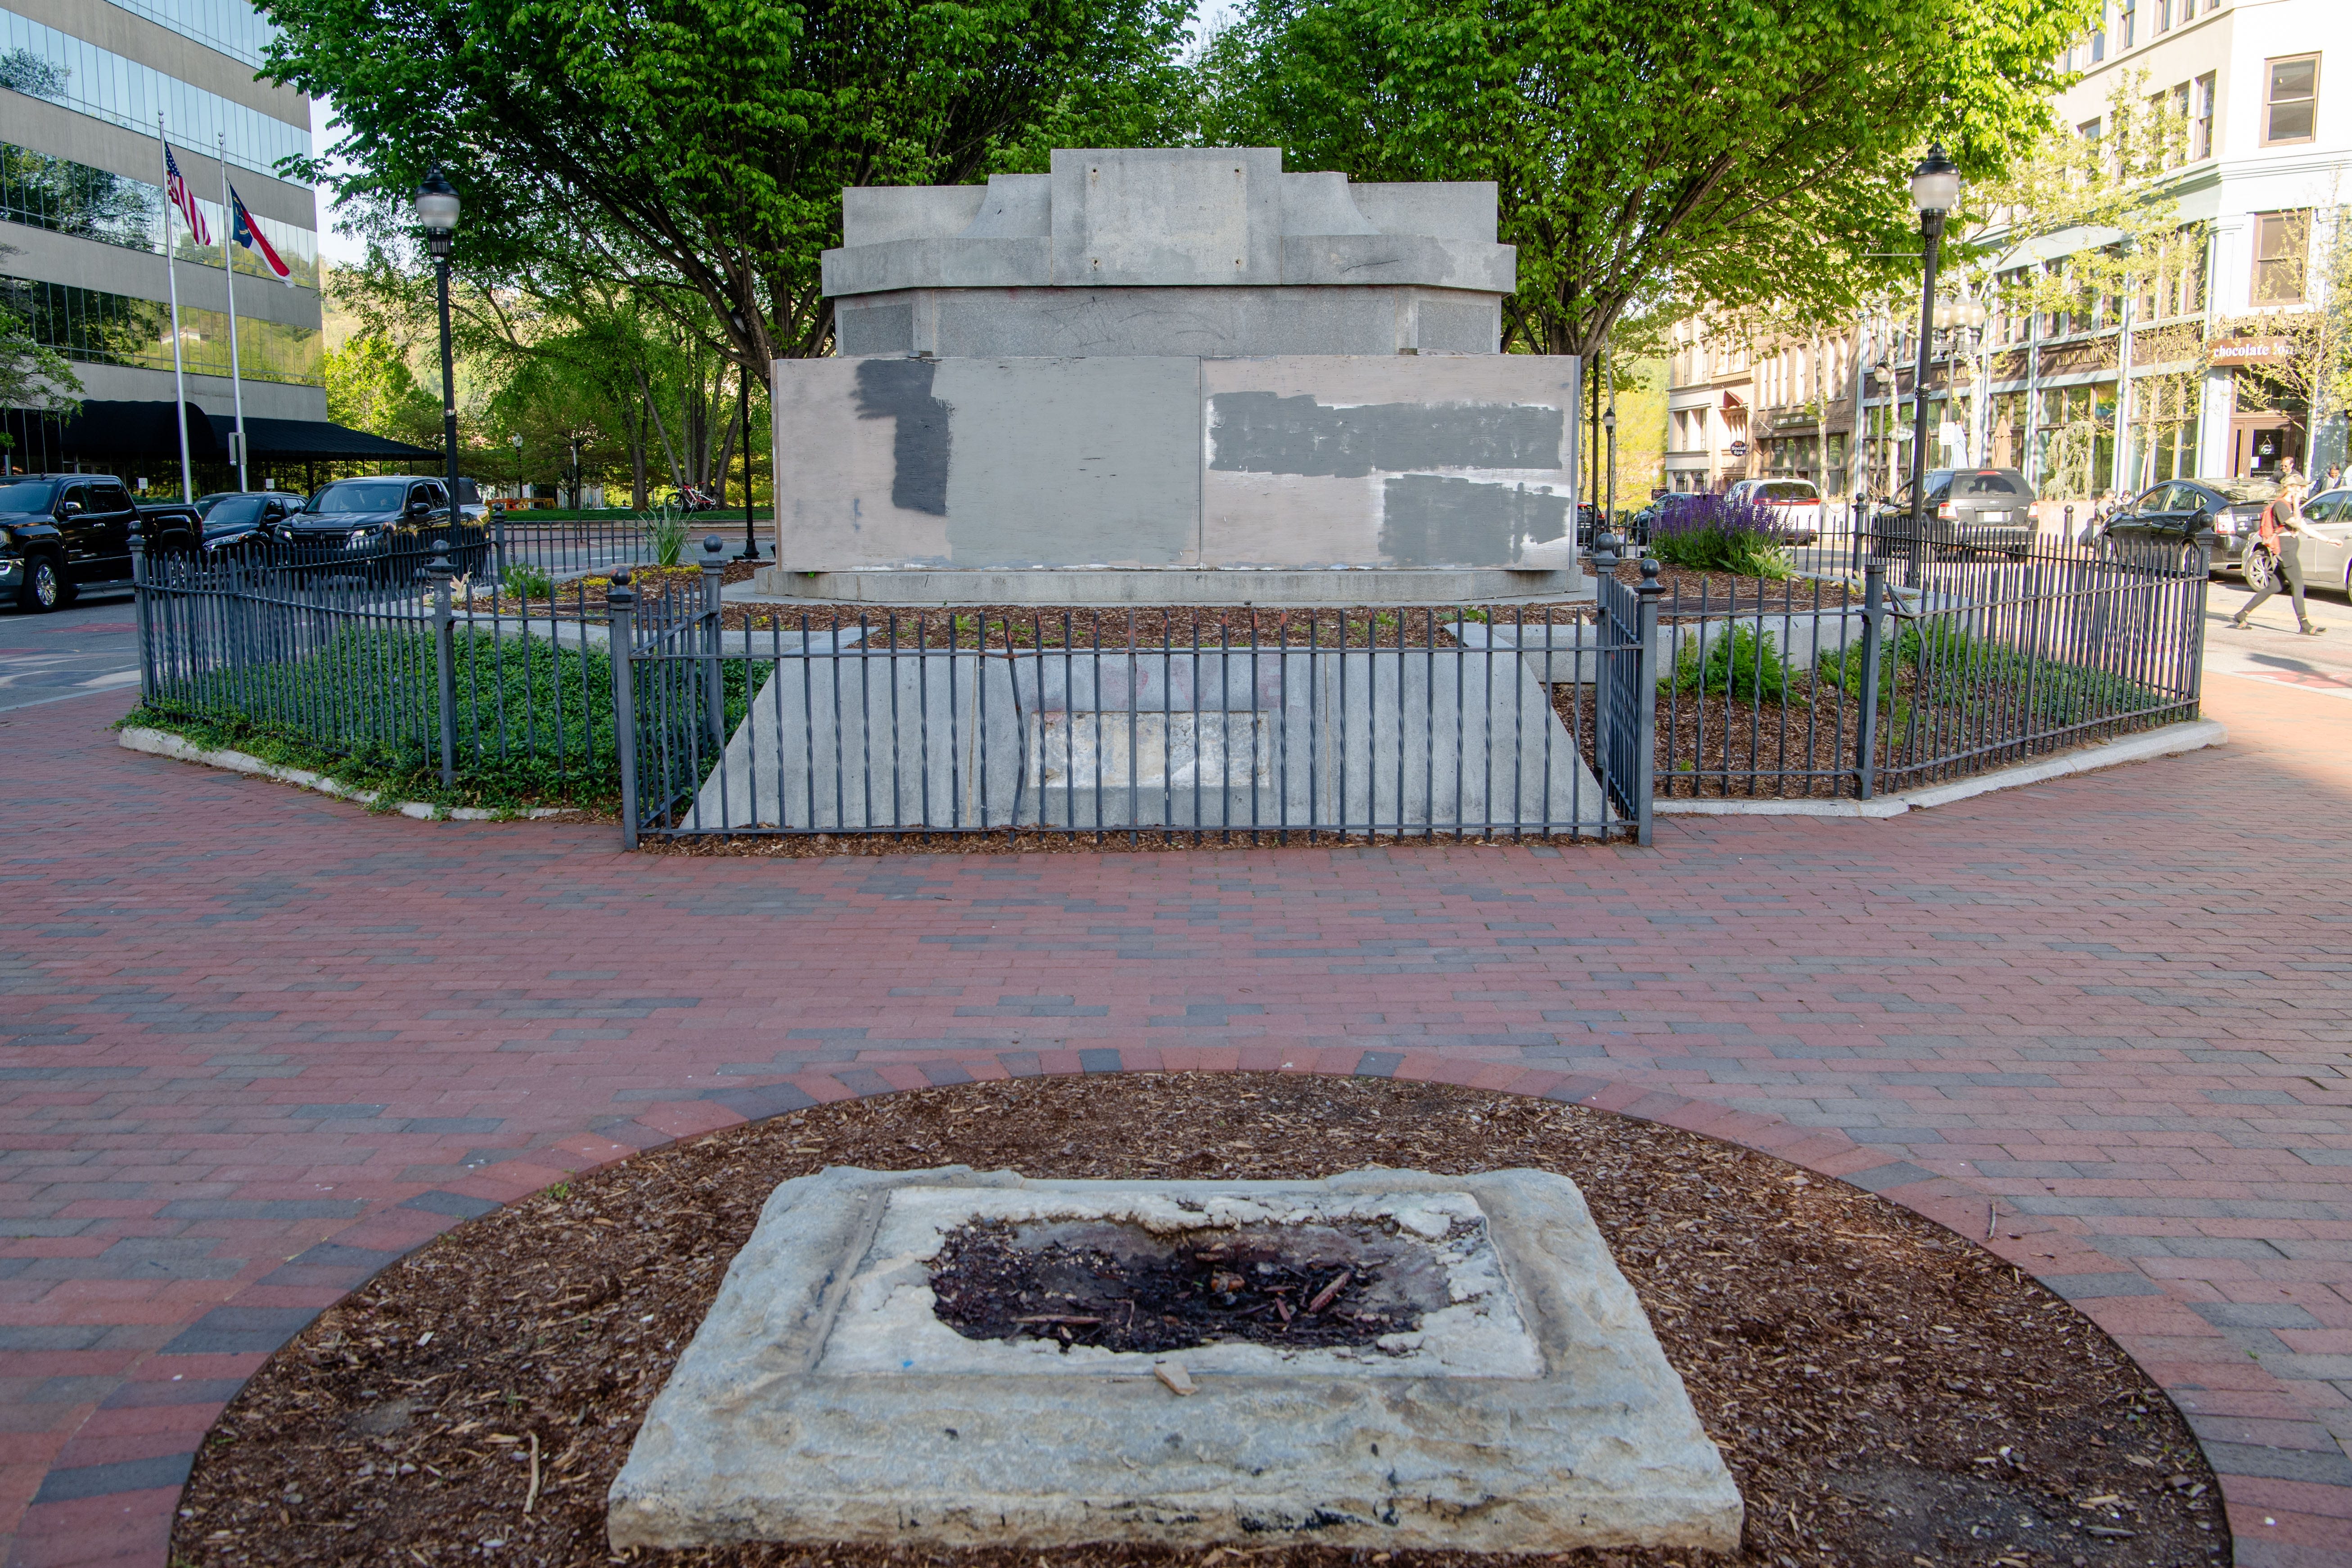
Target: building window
pixel 2201 124
pixel 2282 241
pixel 2291 101
pixel 2126 25
pixel 40 61
pixel 98 328
pixel 2164 15
pixel 71 198
pixel 2098 46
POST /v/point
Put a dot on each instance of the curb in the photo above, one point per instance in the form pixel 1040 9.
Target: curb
pixel 163 743
pixel 2193 735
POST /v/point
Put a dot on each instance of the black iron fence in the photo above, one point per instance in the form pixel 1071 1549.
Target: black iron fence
pixel 391 658
pixel 642 690
pixel 1226 722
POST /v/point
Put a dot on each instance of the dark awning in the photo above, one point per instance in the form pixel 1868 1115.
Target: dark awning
pixel 296 440
pixel 110 431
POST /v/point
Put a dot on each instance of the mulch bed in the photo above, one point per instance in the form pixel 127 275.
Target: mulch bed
pixel 1885 1391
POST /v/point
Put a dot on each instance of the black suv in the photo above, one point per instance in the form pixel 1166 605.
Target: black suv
pixel 63 534
pixel 387 523
pixel 1968 511
pixel 2165 518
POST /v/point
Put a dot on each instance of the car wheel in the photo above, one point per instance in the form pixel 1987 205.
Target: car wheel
pixel 2260 570
pixel 44 588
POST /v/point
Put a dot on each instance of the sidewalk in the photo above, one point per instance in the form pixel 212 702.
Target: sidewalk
pixel 256 1043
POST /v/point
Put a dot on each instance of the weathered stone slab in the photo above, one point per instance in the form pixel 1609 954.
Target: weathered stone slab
pixel 823 1399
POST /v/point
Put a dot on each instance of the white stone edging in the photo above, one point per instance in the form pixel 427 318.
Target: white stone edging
pixel 163 743
pixel 2190 735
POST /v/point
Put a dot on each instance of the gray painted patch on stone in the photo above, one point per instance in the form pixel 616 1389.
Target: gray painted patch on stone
pixel 1428 519
pixel 1263 433
pixel 1079 460
pixel 900 389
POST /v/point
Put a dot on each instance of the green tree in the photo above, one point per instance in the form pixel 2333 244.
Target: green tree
pixel 33 375
pixel 698 148
pixel 1646 152
pixel 370 387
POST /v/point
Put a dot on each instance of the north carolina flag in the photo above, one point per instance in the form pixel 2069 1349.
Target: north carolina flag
pixel 177 189
pixel 248 234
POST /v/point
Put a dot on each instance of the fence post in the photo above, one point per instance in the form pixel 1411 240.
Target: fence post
pixel 1645 702
pixel 621 604
pixel 499 534
pixel 714 685
pixel 139 601
pixel 444 659
pixel 1605 545
pixel 1865 733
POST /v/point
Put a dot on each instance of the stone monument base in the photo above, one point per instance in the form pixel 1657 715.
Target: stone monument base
pixel 1111 587
pixel 827 1398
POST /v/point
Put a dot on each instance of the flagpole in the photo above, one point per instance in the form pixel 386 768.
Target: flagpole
pixel 171 278
pixel 228 265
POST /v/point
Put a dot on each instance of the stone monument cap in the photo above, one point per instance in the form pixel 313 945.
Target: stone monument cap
pixel 1168 217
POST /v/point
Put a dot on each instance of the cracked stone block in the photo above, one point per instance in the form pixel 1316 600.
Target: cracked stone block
pixel 1526 1408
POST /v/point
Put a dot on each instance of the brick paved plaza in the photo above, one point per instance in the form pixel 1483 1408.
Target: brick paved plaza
pixel 256 1043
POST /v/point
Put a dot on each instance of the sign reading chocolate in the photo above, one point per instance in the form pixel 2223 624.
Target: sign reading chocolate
pixel 2251 351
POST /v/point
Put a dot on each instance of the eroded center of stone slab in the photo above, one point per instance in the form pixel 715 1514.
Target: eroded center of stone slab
pixel 1122 1287
pixel 961 1280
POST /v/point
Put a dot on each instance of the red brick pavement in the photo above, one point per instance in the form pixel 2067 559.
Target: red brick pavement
pixel 257 1043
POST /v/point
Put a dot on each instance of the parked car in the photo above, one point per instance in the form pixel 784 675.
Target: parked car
pixel 1795 504
pixel 388 523
pixel 1969 511
pixel 2166 517
pixel 62 535
pixel 247 523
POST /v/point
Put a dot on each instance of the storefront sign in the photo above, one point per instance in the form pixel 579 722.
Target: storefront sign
pixel 2251 351
pixel 1738 448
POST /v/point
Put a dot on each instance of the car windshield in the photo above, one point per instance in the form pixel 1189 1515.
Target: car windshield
pixel 2243 490
pixel 359 497
pixel 234 513
pixel 26 495
pixel 1988 483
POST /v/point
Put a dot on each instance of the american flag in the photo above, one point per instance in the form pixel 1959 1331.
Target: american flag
pixel 177 189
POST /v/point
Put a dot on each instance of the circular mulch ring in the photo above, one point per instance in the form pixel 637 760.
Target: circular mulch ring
pixel 1884 1392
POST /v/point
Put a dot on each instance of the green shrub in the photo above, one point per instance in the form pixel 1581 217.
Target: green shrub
pixel 1740 663
pixel 667 537
pixel 528 582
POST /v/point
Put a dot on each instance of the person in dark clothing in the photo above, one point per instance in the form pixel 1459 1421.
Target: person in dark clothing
pixel 2281 535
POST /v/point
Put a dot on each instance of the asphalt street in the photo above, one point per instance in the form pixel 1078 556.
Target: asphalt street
pixel 93 646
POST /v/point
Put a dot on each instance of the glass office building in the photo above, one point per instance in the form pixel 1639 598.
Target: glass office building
pixel 83 218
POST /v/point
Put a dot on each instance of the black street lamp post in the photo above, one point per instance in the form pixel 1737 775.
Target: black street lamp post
pixel 743 419
pixel 1935 191
pixel 436 209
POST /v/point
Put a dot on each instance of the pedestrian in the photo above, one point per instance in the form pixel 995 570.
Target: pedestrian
pixel 2334 476
pixel 2282 533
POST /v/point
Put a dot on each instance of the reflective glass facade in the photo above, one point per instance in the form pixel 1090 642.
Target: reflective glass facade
pixel 232 26
pixel 114 329
pixel 41 62
pixel 65 197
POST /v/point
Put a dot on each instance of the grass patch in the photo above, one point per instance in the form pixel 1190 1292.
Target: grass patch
pixel 534 722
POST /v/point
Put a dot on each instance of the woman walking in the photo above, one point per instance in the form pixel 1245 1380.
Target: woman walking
pixel 2281 535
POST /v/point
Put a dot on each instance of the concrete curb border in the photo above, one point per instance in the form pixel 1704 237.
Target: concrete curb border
pixel 163 743
pixel 2190 735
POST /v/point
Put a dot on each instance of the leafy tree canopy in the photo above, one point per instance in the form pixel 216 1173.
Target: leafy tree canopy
pixel 698 148
pixel 1649 152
